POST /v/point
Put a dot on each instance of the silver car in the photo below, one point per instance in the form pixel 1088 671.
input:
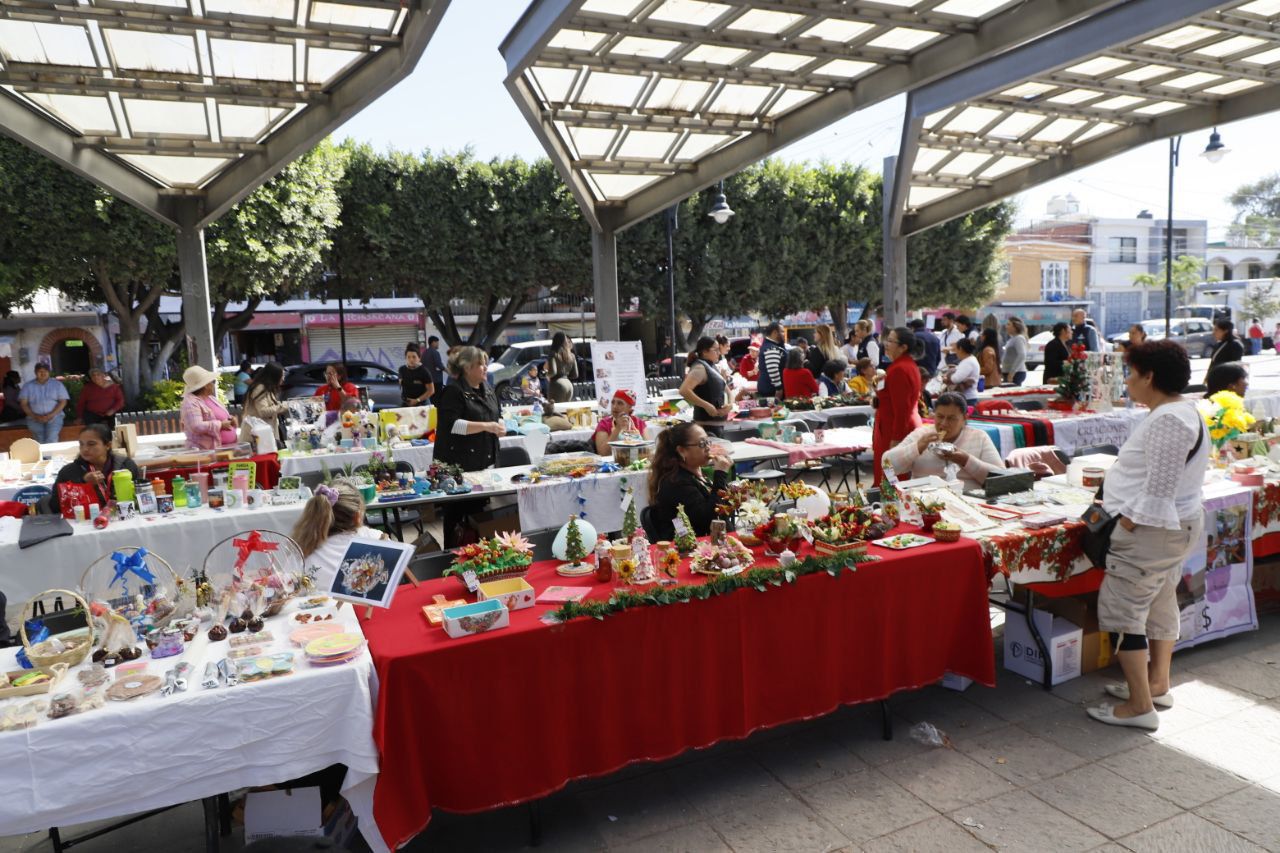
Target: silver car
pixel 1194 333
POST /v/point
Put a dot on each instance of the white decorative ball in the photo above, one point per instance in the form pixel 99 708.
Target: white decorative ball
pixel 560 543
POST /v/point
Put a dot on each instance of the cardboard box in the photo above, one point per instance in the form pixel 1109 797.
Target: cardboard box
pixel 1062 639
pixel 283 813
pixel 959 683
pixel 1082 610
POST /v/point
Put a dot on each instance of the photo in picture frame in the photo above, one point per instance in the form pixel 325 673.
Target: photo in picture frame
pixel 369 571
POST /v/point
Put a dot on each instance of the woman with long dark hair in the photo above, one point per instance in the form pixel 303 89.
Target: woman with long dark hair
pixel 562 368
pixel 704 387
pixel 897 414
pixel 95 465
pixel 676 479
pixel 262 400
pixel 989 358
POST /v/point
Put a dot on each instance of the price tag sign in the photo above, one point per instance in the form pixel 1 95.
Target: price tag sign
pixel 626 500
pixel 806 533
pixel 678 525
pixel 469 578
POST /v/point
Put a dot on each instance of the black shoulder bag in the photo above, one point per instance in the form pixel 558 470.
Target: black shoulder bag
pixel 1100 524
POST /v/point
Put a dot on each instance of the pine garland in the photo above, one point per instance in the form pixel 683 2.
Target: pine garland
pixel 757 579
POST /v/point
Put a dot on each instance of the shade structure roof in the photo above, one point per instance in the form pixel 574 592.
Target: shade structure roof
pixel 1136 73
pixel 642 102
pixel 183 107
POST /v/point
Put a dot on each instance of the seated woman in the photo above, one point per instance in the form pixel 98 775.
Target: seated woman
pixel 95 465
pixel 330 521
pixel 831 382
pixel 797 380
pixel 675 478
pixel 618 421
pixel 207 424
pixel 974 452
pixel 1231 376
pixel 336 388
pixel 864 380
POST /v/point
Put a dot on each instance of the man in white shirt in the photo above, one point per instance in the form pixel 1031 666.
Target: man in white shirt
pixel 947 337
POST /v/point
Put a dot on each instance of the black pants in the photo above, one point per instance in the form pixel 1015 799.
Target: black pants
pixel 456 514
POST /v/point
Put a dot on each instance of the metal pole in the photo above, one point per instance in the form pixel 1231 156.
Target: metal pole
pixel 1175 143
pixel 672 224
pixel 342 330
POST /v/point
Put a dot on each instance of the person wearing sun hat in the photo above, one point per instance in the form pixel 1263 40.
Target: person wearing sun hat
pixel 618 421
pixel 204 419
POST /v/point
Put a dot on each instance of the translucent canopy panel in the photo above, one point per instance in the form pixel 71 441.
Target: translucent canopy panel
pixel 177 94
pixel 1112 89
pixel 653 92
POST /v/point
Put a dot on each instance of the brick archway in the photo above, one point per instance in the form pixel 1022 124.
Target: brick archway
pixel 57 336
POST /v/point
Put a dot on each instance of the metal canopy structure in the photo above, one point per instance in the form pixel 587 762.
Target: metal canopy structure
pixel 1140 72
pixel 184 107
pixel 640 103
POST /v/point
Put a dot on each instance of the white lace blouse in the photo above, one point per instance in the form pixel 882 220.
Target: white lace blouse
pixel 1152 482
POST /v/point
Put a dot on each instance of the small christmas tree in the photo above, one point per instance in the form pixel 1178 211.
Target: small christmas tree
pixel 574 548
pixel 685 541
pixel 1074 383
pixel 629 521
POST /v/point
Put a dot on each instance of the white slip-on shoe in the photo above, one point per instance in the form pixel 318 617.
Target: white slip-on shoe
pixel 1149 721
pixel 1120 690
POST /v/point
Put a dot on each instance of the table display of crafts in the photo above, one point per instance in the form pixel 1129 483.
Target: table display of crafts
pixel 747 504
pixel 848 528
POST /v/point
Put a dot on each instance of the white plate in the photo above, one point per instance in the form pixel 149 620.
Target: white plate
pixel 916 540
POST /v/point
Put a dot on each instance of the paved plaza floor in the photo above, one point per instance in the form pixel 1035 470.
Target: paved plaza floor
pixel 1028 771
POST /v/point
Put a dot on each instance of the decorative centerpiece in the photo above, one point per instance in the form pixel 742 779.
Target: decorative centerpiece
pixel 506 555
pixel 1226 417
pixel 138 586
pixel 946 531
pixel 731 557
pixel 685 540
pixel 846 530
pixel 782 532
pixel 1073 385
pixel 930 512
pixel 644 573
pixel 575 551
pixel 629 520
pixel 446 478
pixel 381 467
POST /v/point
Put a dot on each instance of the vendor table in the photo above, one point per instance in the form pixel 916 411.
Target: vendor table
pixel 825 415
pixel 157 751
pixel 505 717
pixel 1067 430
pixel 182 537
pixel 268 470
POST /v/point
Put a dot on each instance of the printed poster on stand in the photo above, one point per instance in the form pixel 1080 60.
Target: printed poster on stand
pixel 618 364
pixel 1215 594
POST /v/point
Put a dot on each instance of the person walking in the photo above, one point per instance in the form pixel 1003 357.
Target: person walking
pixel 435 364
pixel 1153 491
pixel 43 400
pixel 1014 362
pixel 773 353
pixel 989 358
pixel 1228 347
pixel 1056 353
pixel 100 400
pixel 897 411
pixel 416 384
pixel 562 368
pixel 262 400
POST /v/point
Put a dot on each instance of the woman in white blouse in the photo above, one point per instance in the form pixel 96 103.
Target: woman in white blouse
pixel 963 378
pixel 1153 492
pixel 974 453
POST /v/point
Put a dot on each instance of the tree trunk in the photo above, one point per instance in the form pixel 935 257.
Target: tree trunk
pixel 170 336
pixel 224 325
pixel 696 325
pixel 130 357
pixel 443 320
pixel 839 316
pixel 496 327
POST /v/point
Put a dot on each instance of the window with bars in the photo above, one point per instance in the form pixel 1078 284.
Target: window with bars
pixel 1055 280
pixel 1124 250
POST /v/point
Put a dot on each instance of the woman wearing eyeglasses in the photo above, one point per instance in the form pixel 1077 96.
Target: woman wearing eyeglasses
pixel 675 478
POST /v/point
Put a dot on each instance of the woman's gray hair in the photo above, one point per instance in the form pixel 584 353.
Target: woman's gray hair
pixel 462 358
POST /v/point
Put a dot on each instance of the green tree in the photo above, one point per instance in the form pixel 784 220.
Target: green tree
pixel 1261 301
pixel 957 262
pixel 1188 271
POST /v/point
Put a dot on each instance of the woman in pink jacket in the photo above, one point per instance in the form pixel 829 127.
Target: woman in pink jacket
pixel 204 420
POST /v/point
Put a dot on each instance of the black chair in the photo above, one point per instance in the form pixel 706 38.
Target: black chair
pixel 647 522
pixel 512 456
pixel 541 540
pixel 1198 388
pixel 430 565
pixel 1109 449
pixel 1029 405
pixel 848 420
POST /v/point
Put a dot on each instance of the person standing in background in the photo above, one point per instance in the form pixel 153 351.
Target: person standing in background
pixel 416 384
pixel 772 357
pixel 868 346
pixel 1228 347
pixel 435 364
pixel 11 390
pixel 99 400
pixel 989 358
pixel 241 386
pixel 1255 336
pixel 562 368
pixel 897 412
pixel 947 337
pixel 43 400
pixel 1014 362
pixel 1055 353
pixel 1083 332
pixel 931 355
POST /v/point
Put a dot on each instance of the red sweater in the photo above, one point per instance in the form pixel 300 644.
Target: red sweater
pixel 798 383
pixel 98 400
pixel 333 396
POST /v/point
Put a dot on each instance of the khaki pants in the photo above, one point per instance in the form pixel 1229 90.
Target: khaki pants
pixel 1139 592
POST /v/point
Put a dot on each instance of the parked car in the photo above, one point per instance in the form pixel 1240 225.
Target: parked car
pixel 512 365
pixel 1035 349
pixel 1195 333
pixel 382 382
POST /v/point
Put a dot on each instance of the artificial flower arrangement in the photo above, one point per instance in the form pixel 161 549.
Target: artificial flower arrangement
pixel 848 529
pixel 1073 386
pixel 505 555
pixel 930 512
pixel 730 556
pixel 1226 417
pixel 794 491
pixel 781 533
pixel 444 477
pixel 733 498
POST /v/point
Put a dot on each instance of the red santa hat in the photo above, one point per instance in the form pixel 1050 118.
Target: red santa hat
pixel 625 396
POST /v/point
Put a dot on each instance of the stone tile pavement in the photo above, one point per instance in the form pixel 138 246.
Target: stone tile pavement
pixel 1028 772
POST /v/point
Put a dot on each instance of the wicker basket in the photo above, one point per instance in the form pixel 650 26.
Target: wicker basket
pixel 945 535
pixel 827 549
pixel 40 654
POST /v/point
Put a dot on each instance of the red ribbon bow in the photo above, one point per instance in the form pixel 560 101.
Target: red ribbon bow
pixel 249 545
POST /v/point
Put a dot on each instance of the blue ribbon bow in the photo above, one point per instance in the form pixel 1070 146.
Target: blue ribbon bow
pixel 135 563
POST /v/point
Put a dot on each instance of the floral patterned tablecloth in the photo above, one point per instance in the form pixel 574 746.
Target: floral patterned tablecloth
pixel 1031 556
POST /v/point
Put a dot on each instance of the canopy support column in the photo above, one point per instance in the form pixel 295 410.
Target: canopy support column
pixel 895 253
pixel 604 265
pixel 196 308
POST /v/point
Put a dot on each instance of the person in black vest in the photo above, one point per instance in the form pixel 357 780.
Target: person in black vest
pixel 416 384
pixel 1228 347
pixel 704 387
pixel 468 426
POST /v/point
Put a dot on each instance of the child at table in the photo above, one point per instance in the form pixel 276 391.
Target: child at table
pixel 330 521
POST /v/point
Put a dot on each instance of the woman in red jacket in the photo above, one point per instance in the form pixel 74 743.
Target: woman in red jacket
pixel 797 381
pixel 896 412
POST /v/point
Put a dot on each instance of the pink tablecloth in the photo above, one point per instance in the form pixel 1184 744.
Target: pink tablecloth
pixel 800 452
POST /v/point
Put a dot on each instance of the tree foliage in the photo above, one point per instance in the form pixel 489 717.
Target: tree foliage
pixel 1188 271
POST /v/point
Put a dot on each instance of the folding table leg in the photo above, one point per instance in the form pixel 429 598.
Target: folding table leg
pixel 224 811
pixel 1047 671
pixel 212 827
pixel 886 721
pixel 535 824
pixel 55 838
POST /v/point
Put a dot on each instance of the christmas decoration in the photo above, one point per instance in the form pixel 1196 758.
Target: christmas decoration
pixel 685 541
pixel 644 573
pixel 629 521
pixel 504 555
pixel 574 550
pixel 1073 386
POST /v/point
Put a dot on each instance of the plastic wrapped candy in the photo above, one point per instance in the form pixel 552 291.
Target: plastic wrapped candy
pixel 136 585
pixel 262 569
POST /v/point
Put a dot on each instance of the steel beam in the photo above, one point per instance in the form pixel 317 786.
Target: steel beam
pixel 894 250
pixel 1249 104
pixel 542 20
pixel 604 267
pixel 194 272
pixel 349 95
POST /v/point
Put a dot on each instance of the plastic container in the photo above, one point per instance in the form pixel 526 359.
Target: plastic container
pixel 179 487
pixel 122 486
pixel 194 498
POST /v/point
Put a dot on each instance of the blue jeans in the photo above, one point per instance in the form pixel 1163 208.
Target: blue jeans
pixel 46 433
pixel 1255 346
pixel 1019 377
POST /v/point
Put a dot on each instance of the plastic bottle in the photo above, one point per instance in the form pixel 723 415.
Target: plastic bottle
pixel 179 491
pixel 122 486
pixel 537 411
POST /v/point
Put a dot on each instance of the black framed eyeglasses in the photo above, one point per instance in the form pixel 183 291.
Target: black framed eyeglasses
pixel 705 444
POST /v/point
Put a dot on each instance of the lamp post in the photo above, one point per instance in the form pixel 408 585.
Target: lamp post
pixel 1213 152
pixel 721 213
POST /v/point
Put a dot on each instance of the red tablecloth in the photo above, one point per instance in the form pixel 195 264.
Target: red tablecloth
pixel 268 471
pixel 476 723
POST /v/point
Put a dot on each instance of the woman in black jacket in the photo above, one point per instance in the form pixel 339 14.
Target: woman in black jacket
pixel 468 426
pixel 96 465
pixel 1228 348
pixel 675 478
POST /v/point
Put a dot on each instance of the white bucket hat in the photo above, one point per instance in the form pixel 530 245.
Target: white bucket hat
pixel 196 377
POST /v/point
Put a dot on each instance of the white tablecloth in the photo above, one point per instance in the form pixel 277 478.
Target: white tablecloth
pixel 1103 428
pixel 183 538
pixel 158 751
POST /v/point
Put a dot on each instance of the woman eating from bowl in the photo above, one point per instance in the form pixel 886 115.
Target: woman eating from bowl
pixel 676 479
pixel 95 466
pixel 619 420
pixel 207 424
pixel 948 440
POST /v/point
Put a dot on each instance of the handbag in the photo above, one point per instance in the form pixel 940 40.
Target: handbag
pixel 1100 524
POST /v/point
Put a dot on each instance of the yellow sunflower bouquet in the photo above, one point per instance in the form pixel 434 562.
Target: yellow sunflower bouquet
pixel 1226 417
